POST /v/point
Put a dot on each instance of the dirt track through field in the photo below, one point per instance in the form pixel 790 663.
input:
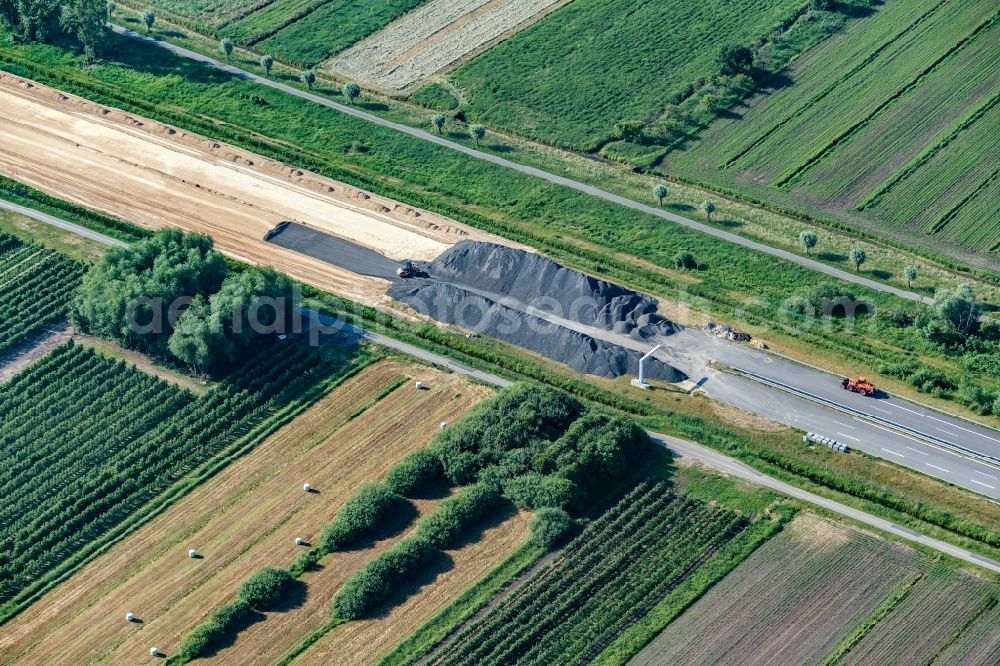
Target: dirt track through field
pixel 155 175
pixel 246 517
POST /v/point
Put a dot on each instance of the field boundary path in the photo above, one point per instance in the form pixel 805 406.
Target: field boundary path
pixel 681 447
pixel 532 171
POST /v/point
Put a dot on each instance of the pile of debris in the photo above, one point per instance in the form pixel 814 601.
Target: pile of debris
pixel 726 331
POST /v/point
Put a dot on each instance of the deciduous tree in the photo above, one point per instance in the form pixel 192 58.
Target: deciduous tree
pixel 351 91
pixel 660 192
pixel 808 240
pixel 477 132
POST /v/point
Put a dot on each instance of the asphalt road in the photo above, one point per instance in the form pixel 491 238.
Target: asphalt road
pixel 62 224
pixel 691 350
pixel 684 448
pixel 533 171
pixel 336 251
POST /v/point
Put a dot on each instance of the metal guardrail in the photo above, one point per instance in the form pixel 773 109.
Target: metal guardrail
pixel 865 415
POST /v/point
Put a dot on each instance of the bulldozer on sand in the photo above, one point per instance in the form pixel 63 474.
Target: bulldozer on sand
pixel 859 385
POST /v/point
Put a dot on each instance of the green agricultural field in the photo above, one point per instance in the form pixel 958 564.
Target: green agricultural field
pixel 88 441
pixel 331 28
pixel 205 14
pixel 915 84
pixel 35 283
pixel 605 580
pixel 824 593
pixel 567 79
pixel 299 32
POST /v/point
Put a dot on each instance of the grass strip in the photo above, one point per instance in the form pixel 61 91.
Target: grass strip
pixel 881 612
pixel 22 194
pixel 308 641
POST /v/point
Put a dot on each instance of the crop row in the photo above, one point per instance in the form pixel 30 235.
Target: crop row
pixel 35 285
pixel 569 77
pixel 605 580
pixel 92 440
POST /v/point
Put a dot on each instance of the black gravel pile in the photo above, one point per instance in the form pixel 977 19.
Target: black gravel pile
pixel 451 304
pixel 542 283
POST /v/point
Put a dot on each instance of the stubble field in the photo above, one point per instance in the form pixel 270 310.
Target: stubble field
pixel 246 517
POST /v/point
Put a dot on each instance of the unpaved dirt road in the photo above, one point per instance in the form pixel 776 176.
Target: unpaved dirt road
pixel 155 175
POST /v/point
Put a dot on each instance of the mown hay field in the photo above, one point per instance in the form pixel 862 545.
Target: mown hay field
pixel 437 36
pixel 246 517
pixel 821 592
pixel 569 77
pixel 888 124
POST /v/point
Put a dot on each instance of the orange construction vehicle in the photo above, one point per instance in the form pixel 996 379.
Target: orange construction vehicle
pixel 859 385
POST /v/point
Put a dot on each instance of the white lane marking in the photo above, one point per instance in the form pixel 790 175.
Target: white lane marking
pixel 848 437
pixel 893 452
pixel 936 467
pixel 985 474
pixel 946 432
pixel 845 425
pixel 983 484
pixel 884 411
pixel 923 453
pixel 949 423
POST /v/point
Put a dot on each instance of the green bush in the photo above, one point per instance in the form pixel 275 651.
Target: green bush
pixel 225 621
pixel 266 587
pixel 376 581
pixel 550 527
pixel 685 261
pixel 415 474
pixel 597 448
pixel 534 491
pixel 521 417
pixel 305 561
pixel 453 516
pixel 360 516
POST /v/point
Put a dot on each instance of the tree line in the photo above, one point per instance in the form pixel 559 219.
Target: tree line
pixel 173 296
pixel 83 21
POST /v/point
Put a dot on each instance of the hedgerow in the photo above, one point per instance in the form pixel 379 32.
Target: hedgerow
pixel 549 527
pixel 380 577
pixel 265 588
pixel 456 514
pixel 415 474
pixel 360 516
